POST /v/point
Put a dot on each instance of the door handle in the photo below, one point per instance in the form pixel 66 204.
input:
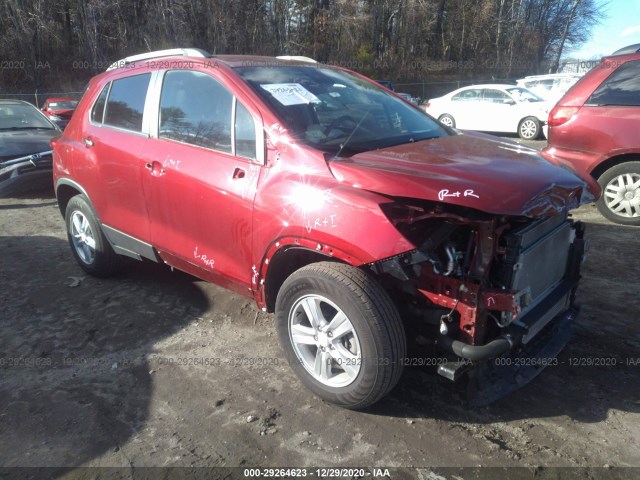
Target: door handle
pixel 87 141
pixel 155 168
pixel 239 173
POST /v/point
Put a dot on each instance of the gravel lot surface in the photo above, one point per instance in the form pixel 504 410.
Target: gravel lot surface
pixel 158 368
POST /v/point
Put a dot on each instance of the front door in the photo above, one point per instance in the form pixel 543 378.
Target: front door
pixel 201 179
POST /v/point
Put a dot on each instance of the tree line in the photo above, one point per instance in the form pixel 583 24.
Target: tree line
pixel 60 44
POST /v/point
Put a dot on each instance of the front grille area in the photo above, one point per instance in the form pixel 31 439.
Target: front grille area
pixel 535 263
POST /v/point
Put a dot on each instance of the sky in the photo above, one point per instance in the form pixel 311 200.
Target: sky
pixel 620 28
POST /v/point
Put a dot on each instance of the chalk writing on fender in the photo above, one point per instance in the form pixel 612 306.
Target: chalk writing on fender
pixel 328 221
pixel 209 262
pixel 444 193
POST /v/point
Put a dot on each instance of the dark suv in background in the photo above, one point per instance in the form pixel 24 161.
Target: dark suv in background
pixel 595 127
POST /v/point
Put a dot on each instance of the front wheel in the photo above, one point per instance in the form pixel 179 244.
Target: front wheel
pixel 341 333
pixel 620 200
pixel 529 128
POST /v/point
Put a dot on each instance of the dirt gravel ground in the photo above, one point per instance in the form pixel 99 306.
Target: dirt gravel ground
pixel 157 368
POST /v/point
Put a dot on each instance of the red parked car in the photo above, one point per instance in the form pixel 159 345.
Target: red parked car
pixel 359 220
pixel 595 128
pixel 59 110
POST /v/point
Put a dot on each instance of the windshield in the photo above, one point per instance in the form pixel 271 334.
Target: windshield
pixel 523 95
pixel 63 105
pixel 20 116
pixel 338 112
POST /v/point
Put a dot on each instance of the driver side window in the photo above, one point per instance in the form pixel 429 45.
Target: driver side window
pixel 496 96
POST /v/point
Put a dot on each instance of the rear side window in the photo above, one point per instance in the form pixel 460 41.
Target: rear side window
pixel 97 113
pixel 622 87
pixel 195 109
pixel 125 103
pixel 467 95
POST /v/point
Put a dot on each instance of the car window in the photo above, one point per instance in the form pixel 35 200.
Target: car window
pixel 97 113
pixel 467 95
pixel 21 116
pixel 245 133
pixel 196 109
pixel 496 96
pixel 66 104
pixel 622 87
pixel 546 84
pixel 125 103
pixel 523 95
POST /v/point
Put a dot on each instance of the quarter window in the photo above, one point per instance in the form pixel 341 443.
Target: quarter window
pixel 195 109
pixel 97 114
pixel 125 104
pixel 622 87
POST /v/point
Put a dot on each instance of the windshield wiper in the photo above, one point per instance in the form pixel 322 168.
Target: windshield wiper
pixel 343 145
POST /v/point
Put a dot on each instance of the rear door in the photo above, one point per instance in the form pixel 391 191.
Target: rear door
pixel 112 142
pixel 202 163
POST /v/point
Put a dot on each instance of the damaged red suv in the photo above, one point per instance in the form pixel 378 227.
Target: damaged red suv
pixel 359 220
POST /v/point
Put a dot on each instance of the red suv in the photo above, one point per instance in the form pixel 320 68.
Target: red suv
pixel 360 220
pixel 595 127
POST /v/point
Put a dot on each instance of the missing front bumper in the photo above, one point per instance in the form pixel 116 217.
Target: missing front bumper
pixel 493 379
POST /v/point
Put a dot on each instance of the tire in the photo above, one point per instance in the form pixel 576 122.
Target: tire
pixel 447 120
pixel 364 361
pixel 529 128
pixel 620 199
pixel 88 244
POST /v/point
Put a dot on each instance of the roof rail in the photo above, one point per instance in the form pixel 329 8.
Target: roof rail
pixel 628 49
pixel 298 58
pixel 172 52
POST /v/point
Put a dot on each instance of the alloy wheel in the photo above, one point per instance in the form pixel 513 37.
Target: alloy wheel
pixel 325 341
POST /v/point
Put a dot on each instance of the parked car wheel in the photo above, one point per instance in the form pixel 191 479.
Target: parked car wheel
pixel 447 120
pixel 88 244
pixel 529 128
pixel 620 200
pixel 341 333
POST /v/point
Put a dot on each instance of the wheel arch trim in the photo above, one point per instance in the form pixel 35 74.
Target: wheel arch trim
pixel 262 276
pixel 66 182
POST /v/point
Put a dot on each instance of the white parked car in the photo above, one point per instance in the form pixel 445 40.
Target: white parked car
pixel 492 108
pixel 549 87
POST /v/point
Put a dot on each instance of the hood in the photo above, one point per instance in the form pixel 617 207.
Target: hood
pixel 471 170
pixel 18 143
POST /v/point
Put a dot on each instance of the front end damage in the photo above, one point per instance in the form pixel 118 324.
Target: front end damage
pixel 494 295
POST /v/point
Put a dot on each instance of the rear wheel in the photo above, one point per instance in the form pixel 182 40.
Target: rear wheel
pixel 529 128
pixel 88 244
pixel 341 333
pixel 447 120
pixel 620 200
